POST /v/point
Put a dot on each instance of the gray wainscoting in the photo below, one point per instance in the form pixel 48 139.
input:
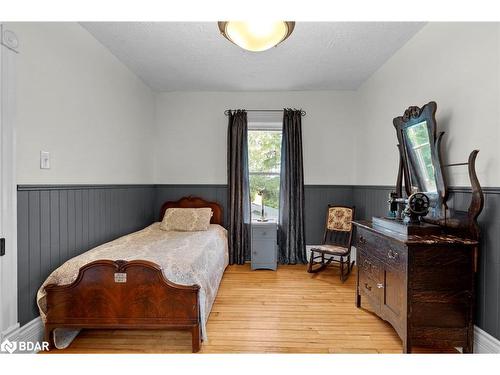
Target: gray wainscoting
pixel 56 223
pixel 371 201
pixel 317 198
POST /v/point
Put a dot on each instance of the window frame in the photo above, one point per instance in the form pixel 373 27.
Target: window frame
pixel 265 127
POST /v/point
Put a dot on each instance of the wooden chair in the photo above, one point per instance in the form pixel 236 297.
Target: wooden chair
pixel 337 242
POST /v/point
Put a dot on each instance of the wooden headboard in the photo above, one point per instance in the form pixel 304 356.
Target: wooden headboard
pixel 195 202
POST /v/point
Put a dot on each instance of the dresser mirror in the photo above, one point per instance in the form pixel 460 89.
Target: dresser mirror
pixel 422 170
pixel 420 151
pixel 417 141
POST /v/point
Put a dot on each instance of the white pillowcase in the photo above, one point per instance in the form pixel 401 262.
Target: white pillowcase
pixel 186 219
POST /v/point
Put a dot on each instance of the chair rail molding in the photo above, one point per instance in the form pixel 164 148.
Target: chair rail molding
pixel 8 190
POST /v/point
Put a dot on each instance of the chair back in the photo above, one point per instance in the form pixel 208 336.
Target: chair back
pixel 338 227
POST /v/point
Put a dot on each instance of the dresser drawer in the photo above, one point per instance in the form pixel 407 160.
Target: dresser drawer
pixel 390 252
pixel 371 289
pixel 370 279
pixel 369 266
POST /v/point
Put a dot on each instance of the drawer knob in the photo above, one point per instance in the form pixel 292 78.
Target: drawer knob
pixel 368 286
pixel 391 254
pixel 380 285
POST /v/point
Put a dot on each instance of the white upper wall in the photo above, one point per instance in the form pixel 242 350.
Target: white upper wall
pixel 191 133
pixel 99 121
pixel 80 103
pixel 458 66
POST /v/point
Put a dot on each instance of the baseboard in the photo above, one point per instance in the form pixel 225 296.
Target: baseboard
pixel 30 332
pixel 9 332
pixel 484 343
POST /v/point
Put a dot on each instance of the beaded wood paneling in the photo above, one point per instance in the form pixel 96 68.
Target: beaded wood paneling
pixel 56 223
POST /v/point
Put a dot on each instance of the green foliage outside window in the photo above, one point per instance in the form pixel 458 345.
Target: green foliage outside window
pixel 264 159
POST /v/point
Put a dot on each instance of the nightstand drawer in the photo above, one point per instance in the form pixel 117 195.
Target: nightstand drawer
pixel 263 233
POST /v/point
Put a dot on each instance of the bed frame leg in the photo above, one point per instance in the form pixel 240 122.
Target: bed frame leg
pixel 49 337
pixel 195 338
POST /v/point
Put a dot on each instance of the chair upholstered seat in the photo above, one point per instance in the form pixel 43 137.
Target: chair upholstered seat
pixel 330 249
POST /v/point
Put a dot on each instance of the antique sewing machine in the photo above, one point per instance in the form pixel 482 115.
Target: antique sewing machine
pixel 416 205
pixel 405 215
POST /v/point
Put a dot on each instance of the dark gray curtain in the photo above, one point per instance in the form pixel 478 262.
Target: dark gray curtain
pixel 238 186
pixel 291 239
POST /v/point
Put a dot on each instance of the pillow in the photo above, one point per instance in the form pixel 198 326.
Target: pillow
pixel 186 219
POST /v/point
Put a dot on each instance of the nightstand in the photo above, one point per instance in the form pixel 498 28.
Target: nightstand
pixel 264 245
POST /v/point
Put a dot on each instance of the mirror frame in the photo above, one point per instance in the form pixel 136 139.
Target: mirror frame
pixel 412 116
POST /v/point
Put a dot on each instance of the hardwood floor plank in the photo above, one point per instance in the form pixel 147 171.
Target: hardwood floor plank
pixel 287 311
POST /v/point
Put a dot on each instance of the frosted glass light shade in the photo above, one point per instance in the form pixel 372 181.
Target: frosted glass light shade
pixel 256 36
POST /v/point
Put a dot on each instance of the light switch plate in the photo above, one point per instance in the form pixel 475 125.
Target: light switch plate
pixel 44 160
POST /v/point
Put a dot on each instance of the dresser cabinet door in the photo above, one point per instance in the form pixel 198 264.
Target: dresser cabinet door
pixel 393 304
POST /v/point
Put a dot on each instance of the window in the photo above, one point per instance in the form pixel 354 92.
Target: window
pixel 264 159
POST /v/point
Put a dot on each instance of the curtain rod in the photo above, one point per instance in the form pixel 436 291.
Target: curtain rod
pixel 227 111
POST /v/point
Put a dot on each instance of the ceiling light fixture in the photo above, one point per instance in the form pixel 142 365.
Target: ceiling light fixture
pixel 256 36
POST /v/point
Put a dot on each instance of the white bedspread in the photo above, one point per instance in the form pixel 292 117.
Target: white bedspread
pixel 186 258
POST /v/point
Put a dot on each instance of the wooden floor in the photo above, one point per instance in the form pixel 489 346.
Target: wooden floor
pixel 288 311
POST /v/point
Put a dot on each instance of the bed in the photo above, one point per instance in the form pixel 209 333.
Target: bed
pixel 150 279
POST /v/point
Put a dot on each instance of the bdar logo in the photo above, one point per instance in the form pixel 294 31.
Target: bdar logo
pixel 8 346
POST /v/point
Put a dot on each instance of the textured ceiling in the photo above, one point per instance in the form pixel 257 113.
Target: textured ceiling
pixel 191 56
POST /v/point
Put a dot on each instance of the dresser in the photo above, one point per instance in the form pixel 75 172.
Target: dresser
pixel 422 285
pixel 416 268
pixel 264 245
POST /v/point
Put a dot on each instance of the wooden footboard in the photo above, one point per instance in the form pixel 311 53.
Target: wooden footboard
pixel 123 295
